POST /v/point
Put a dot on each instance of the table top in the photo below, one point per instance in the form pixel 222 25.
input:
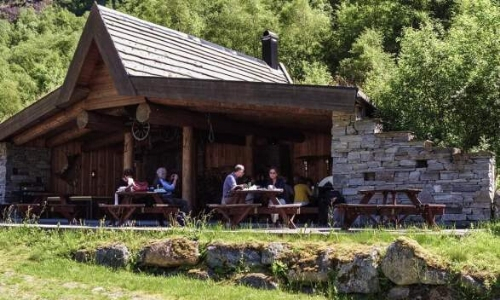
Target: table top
pixel 140 193
pixel 389 191
pixel 259 191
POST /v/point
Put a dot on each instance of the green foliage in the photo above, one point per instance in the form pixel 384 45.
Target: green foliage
pixel 446 83
pixel 35 52
pixel 431 66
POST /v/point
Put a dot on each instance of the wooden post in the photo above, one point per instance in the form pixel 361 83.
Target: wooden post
pixel 188 174
pixel 128 151
pixel 249 155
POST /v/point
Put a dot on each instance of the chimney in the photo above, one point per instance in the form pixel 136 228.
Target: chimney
pixel 270 49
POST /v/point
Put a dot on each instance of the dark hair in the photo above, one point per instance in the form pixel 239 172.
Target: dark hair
pixel 128 172
pixel 301 180
pixel 275 169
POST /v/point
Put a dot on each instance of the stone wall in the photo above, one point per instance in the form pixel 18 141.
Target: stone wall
pixel 364 157
pixel 22 165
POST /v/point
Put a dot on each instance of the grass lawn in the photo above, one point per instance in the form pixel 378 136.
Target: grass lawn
pixel 36 263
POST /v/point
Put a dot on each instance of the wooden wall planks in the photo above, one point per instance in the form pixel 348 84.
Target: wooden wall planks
pixel 106 162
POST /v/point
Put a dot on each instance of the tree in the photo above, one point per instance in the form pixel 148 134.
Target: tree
pixel 446 84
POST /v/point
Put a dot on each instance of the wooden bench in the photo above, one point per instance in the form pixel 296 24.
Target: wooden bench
pixel 59 205
pixel 166 210
pixel 90 202
pixel 29 210
pixel 397 213
pixel 121 212
pixel 287 212
pixel 235 213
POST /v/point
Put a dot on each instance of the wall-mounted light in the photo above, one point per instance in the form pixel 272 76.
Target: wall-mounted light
pixel 93 174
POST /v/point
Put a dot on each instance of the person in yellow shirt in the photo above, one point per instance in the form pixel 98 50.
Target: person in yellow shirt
pixel 302 191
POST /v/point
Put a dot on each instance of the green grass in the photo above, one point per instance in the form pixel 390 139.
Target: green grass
pixel 37 263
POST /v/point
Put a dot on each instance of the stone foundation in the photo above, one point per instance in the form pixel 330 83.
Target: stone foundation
pixel 364 157
pixel 22 165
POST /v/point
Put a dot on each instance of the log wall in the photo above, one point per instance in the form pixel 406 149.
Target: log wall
pixel 106 162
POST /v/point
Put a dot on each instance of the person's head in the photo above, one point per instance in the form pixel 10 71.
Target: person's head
pixel 273 173
pixel 161 173
pixel 239 170
pixel 301 180
pixel 128 173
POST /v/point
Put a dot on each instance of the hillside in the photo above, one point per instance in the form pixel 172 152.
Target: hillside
pixel 430 66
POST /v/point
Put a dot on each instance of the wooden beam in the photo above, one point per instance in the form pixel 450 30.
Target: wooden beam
pixel 33 114
pixel 188 171
pixel 168 116
pixel 66 136
pixel 254 95
pixel 128 151
pixel 249 155
pixel 108 140
pixel 59 119
pixel 99 122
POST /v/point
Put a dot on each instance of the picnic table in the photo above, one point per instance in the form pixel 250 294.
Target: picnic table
pixel 121 212
pixel 391 208
pixel 237 211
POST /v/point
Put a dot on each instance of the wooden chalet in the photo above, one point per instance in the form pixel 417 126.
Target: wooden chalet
pixel 140 95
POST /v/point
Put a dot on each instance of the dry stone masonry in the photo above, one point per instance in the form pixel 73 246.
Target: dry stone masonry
pixel 401 270
pixel 21 166
pixel 366 158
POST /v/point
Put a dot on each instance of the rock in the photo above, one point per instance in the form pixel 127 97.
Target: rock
pixel 258 281
pixel 272 252
pixel 229 257
pixel 170 253
pixel 198 274
pixel 472 283
pixel 441 293
pixel 406 262
pixel 310 268
pixel 398 293
pixel 115 256
pixel 83 256
pixel 359 276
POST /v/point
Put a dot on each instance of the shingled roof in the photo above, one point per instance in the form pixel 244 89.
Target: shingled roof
pixel 147 49
pixel 148 62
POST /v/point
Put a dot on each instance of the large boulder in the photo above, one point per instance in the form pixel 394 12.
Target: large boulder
pixel 272 252
pixel 258 281
pixel 359 275
pixel 83 256
pixel 398 293
pixel 115 256
pixel 406 262
pixel 310 266
pixel 170 253
pixel 229 257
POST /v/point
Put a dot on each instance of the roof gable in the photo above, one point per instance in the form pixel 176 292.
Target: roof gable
pixel 147 49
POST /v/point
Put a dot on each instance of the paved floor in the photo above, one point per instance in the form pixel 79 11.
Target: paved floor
pixel 153 226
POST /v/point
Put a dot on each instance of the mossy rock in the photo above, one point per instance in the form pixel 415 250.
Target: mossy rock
pixel 230 257
pixel 113 255
pixel 170 253
pixel 406 262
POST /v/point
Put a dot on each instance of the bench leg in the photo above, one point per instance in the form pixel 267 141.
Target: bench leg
pixel 349 218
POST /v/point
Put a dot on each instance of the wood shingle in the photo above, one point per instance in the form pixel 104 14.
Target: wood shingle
pixel 147 49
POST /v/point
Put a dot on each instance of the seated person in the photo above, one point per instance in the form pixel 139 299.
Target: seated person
pixel 230 185
pixel 169 187
pixel 127 182
pixel 278 183
pixel 302 191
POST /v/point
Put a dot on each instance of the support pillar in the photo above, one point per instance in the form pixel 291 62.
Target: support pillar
pixel 188 170
pixel 128 151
